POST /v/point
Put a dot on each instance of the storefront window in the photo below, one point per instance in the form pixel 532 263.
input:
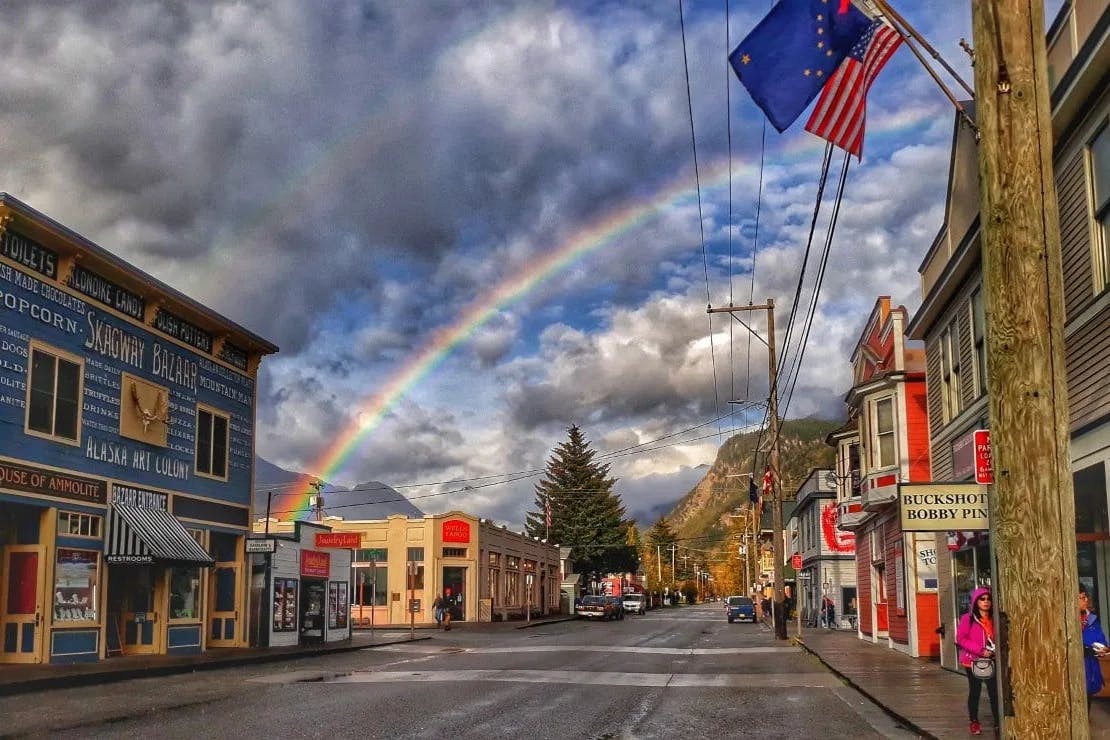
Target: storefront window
pixel 371 587
pixel 1090 499
pixel 493 578
pixel 185 593
pixel 971 569
pixel 75 580
pixel 512 586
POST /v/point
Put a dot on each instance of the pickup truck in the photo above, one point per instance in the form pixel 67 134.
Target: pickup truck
pixel 739 607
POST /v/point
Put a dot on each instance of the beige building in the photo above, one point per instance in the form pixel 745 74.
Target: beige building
pixel 482 570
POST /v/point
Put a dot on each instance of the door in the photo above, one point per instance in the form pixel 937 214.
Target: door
pixel 223 619
pixel 878 596
pixel 454 591
pixel 137 590
pixel 24 601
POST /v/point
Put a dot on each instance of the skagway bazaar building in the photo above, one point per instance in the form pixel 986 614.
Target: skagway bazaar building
pixel 126 455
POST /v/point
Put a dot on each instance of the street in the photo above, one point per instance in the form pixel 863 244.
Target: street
pixel 670 673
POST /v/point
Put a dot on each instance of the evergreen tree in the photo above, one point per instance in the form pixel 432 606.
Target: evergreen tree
pixel 586 515
pixel 657 548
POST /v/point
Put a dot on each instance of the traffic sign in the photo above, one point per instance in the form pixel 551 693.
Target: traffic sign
pixel 984 462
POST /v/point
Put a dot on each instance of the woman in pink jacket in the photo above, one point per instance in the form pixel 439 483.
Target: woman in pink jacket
pixel 975 638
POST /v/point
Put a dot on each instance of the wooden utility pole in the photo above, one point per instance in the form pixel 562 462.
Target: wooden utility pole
pixel 1032 508
pixel 779 610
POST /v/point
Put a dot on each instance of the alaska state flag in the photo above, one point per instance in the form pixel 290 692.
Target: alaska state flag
pixel 786 59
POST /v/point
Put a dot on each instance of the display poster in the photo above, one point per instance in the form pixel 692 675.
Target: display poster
pixel 285 605
pixel 925 547
pixel 338 607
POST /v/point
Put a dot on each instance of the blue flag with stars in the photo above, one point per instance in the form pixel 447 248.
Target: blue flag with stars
pixel 786 59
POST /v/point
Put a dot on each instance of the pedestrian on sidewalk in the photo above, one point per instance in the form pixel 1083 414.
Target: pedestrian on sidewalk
pixel 828 613
pixel 438 606
pixel 1094 644
pixel 975 638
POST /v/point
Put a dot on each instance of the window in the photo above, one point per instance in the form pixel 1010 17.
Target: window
pixel 371 586
pixel 950 372
pixel 211 443
pixel 71 524
pixel 495 559
pixel 884 448
pixel 978 343
pixel 416 554
pixel 53 406
pixel 416 577
pixel 513 562
pixel 1098 169
pixel 185 593
pixel 454 552
pixel 512 585
pixel 75 579
pixel 494 577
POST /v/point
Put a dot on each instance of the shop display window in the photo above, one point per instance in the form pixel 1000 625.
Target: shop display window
pixel 75 582
pixel 371 586
pixel 337 605
pixel 285 604
pixel 185 593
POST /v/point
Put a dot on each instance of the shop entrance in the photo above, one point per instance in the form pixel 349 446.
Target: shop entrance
pixel 24 602
pixel 454 591
pixel 133 591
pixel 313 593
pixel 223 596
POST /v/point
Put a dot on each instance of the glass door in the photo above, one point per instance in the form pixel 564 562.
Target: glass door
pixel 139 617
pixel 24 601
pixel 454 591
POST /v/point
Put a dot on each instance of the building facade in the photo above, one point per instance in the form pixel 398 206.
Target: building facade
pixel 827 553
pixel 897 581
pixel 483 571
pixel 126 455
pixel 952 319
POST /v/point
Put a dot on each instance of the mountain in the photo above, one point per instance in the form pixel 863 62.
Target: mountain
pixel 651 496
pixel 370 500
pixel 702 514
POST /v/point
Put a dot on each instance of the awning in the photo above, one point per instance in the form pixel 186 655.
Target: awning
pixel 138 535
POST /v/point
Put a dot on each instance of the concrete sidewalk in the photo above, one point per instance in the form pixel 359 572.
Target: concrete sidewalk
pixel 919 693
pixel 22 679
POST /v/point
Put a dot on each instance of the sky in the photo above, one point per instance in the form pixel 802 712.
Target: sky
pixel 469 226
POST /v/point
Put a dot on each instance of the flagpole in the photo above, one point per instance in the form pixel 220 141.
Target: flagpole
pixel 898 20
pixel 932 72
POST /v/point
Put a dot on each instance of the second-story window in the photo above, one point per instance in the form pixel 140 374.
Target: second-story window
pixel 211 443
pixel 979 343
pixel 54 401
pixel 883 444
pixel 1098 167
pixel 950 372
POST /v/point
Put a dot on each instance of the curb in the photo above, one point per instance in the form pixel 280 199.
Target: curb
pixel 530 625
pixel 127 674
pixel 908 723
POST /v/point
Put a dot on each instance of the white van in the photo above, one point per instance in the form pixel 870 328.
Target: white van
pixel 634 603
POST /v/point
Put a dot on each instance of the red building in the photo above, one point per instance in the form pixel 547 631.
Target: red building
pixel 895 570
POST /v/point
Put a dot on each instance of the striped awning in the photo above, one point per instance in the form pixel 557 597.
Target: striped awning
pixel 138 535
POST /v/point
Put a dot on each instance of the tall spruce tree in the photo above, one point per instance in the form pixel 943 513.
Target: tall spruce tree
pixel 586 515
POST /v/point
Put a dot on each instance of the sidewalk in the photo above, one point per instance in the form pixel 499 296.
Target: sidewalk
pixel 22 679
pixel 928 699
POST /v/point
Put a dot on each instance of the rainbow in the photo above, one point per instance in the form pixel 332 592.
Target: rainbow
pixel 372 411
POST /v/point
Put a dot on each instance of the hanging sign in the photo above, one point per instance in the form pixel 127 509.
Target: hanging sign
pixel 984 461
pixel 933 507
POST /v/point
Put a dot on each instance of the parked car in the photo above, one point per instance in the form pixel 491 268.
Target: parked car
pixel 634 603
pixel 596 607
pixel 618 606
pixel 739 607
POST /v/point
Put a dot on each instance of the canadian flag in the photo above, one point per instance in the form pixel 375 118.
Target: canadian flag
pixel 768 481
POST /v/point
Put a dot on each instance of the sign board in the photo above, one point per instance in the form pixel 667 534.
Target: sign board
pixel 456 530
pixel 984 463
pixel 414 605
pixel 256 546
pixel 796 561
pixel 932 507
pixel 804 575
pixel 315 564
pixel 339 540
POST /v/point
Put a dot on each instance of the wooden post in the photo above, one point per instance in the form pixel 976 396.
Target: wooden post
pixel 779 610
pixel 1032 507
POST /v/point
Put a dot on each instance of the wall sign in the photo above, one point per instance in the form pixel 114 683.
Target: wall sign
pixel 231 354
pixel 315 564
pixel 261 545
pixel 105 291
pixel 36 480
pixel 925 548
pixel 456 530
pixel 836 540
pixel 963 456
pixel 138 497
pixel 179 328
pixel 930 507
pixel 984 458
pixel 29 253
pixel 339 540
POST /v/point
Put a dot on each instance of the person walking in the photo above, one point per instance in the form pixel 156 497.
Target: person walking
pixel 1094 644
pixel 828 613
pixel 975 638
pixel 438 606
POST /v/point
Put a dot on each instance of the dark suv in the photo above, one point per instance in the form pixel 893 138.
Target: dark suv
pixel 739 607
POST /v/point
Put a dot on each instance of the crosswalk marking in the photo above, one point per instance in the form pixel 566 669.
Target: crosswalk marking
pixel 631 649
pixel 597 678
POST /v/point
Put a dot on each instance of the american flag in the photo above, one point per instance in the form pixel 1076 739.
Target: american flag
pixel 842 106
pixel 547 512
